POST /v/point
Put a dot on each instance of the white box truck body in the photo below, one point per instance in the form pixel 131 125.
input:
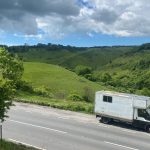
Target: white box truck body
pixel 129 108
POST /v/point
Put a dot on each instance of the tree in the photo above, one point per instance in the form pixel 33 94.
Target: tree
pixel 83 70
pixel 105 77
pixel 11 70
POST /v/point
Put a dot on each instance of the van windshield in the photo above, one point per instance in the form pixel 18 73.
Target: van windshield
pixel 144 114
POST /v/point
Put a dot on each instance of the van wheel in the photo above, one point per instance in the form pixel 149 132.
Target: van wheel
pixel 148 129
pixel 105 120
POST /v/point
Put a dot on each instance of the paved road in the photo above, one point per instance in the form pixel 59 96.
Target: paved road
pixel 53 129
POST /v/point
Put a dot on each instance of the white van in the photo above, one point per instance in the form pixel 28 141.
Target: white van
pixel 123 107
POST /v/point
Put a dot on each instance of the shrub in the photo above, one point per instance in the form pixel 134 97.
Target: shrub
pixel 25 86
pixel 106 77
pixel 83 70
pixel 43 91
pixel 90 77
pixel 145 91
pixel 75 97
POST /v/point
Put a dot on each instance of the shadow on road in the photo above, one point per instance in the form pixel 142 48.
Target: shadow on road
pixel 126 126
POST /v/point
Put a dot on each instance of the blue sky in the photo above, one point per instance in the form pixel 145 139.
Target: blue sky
pixel 78 40
pixel 75 22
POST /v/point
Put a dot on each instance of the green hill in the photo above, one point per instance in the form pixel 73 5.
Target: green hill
pixel 124 67
pixel 96 57
pixel 130 73
pixel 57 79
pixel 69 57
pixel 57 87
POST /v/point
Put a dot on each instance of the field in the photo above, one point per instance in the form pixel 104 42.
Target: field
pixel 57 79
pixel 57 87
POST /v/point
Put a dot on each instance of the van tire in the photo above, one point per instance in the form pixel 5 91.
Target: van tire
pixel 105 120
pixel 148 129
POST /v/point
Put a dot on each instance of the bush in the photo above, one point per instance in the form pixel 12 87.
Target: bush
pixel 83 70
pixel 90 109
pixel 145 91
pixel 90 77
pixel 25 86
pixel 106 77
pixel 75 97
pixel 43 91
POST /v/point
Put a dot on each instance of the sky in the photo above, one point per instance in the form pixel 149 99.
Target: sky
pixel 75 22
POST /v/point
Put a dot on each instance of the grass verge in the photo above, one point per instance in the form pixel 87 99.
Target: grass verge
pixel 78 106
pixel 5 145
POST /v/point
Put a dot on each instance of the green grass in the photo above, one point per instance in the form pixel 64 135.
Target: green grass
pixel 57 79
pixel 5 145
pixel 61 83
pixel 79 106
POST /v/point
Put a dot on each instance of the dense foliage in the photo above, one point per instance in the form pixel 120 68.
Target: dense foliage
pixel 69 56
pixel 11 69
pixel 130 73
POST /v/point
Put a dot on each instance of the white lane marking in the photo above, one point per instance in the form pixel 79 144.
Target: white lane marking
pixel 147 134
pixel 24 123
pixel 125 130
pixel 18 142
pixel 120 145
pixel 103 126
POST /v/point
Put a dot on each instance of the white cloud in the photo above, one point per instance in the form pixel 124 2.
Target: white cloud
pixel 61 17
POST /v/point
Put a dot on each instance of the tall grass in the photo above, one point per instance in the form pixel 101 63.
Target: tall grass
pixel 79 106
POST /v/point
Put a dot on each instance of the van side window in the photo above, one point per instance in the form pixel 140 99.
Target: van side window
pixel 107 99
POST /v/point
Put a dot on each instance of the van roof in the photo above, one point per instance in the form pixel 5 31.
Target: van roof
pixel 139 97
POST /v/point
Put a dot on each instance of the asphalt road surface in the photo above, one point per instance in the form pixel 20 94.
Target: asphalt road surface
pixel 53 129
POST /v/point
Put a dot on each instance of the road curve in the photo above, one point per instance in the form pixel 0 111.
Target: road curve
pixel 52 129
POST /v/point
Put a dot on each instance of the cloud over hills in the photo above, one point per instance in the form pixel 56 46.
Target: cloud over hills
pixel 57 18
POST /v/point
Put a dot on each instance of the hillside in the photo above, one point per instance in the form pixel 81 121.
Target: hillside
pixel 57 80
pixel 96 57
pixel 122 68
pixel 69 57
pixel 130 73
pixel 56 87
